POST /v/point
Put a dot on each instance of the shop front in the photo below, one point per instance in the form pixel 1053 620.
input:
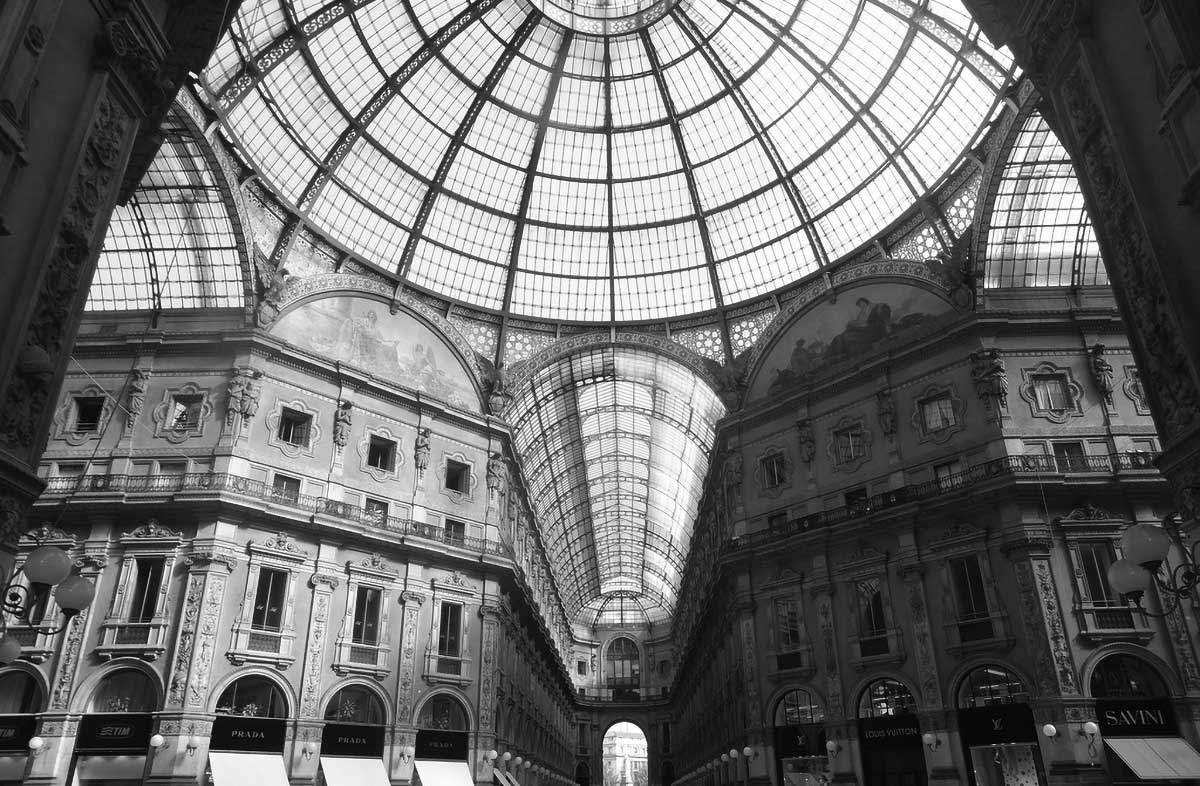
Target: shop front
pixel 443 744
pixel 892 752
pixel 799 740
pixel 1144 735
pixel 1000 746
pixel 111 749
pixel 247 750
pixel 352 741
pixel 15 733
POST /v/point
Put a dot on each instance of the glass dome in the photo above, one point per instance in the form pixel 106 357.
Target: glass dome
pixel 603 160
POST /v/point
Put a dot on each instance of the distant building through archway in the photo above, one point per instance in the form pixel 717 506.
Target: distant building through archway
pixel 625 751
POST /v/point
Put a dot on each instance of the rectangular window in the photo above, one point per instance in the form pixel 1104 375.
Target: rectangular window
pixel 381 454
pixel 787 623
pixel 1051 392
pixel 268 600
pixel 376 509
pixel 857 501
pixel 286 487
pixel 172 467
pixel 294 427
pixel 366 616
pixel 88 411
pixel 774 471
pixel 666 737
pixel 458 476
pixel 777 522
pixel 1070 457
pixel 1096 556
pixel 146 587
pixel 185 412
pixel 454 531
pixel 937 413
pixel 948 475
pixel 70 470
pixel 849 444
pixel 970 600
pixel 581 667
pixel 870 609
pixel 450 639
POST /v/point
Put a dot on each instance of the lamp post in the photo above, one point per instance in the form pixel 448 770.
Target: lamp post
pixel 1144 548
pixel 46 569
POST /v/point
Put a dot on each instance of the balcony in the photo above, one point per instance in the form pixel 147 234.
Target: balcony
pixel 793 663
pixel 358 658
pixel 145 640
pixel 985 632
pixel 1101 622
pixel 877 648
pixel 181 487
pixel 1037 467
pixel 447 669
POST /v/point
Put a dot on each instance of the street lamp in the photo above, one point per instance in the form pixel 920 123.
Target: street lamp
pixel 1144 548
pixel 44 568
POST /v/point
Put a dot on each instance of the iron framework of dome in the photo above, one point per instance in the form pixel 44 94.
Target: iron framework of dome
pixel 603 161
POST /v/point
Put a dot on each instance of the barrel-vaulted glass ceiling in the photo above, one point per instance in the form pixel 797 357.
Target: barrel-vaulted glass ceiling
pixel 615 444
pixel 603 160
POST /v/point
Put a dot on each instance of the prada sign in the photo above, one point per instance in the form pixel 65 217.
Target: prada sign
pixel 997 725
pixel 442 745
pixel 889 731
pixel 1136 718
pixel 351 739
pixel 16 731
pixel 116 731
pixel 242 733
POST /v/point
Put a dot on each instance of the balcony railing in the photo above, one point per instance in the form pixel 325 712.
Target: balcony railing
pixel 1138 463
pixel 223 482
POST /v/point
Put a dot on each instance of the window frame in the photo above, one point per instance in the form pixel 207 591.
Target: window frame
pixel 120 634
pixel 1039 407
pixel 442 668
pixel 165 413
pixel 66 417
pixel 276 552
pixel 291 410
pixel 372 574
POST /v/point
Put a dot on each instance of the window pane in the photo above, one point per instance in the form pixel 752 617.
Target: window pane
pixel 451 630
pixel 268 600
pixel 145 590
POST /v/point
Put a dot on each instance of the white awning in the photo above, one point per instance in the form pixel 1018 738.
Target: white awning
pixel 348 771
pixel 12 766
pixel 230 768
pixel 106 768
pixel 508 778
pixel 1155 758
pixel 444 773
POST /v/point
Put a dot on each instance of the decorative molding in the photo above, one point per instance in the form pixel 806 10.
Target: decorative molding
pixel 768 454
pixel 1046 368
pixel 161 414
pixel 1090 512
pixel 64 416
pixel 48 533
pixel 327 580
pixel 314 428
pixel 848 424
pixel 927 671
pixel 153 530
pixel 363 449
pixel 281 544
pixel 1132 387
pixel 204 558
pixel 456 496
pixel 991 379
pixel 957 407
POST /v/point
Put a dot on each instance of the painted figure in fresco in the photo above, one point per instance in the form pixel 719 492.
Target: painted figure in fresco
pixel 360 341
pixel 872 323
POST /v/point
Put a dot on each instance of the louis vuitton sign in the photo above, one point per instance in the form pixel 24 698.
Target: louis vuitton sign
pixel 999 724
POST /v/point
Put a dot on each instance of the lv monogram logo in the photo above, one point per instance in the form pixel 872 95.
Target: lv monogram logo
pixel 997 724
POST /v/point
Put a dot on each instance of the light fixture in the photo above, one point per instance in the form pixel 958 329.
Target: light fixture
pixel 308 749
pixel 1144 550
pixel 37 746
pixel 45 567
pixel 748 752
pixel 157 741
pixel 931 741
pixel 1050 730
pixel 517 761
pixel 1090 730
pixel 733 753
pixel 407 754
pixel 507 756
pixel 193 743
pixel 490 757
pixel 527 764
pixel 832 748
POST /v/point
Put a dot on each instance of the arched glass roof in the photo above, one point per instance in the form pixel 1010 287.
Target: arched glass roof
pixel 172 245
pixel 603 160
pixel 1040 234
pixel 615 444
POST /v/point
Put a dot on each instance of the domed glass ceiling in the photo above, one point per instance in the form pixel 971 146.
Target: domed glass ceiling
pixel 603 160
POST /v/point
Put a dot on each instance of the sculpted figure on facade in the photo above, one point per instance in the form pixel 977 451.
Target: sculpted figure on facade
pixel 497 477
pixel 253 391
pixel 421 453
pixel 887 413
pixel 990 377
pixel 808 442
pixel 342 420
pixel 139 381
pixel 731 471
pixel 1102 372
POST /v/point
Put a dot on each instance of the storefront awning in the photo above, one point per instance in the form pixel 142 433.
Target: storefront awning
pixel 506 778
pixel 12 766
pixel 1156 758
pixel 350 771
pixel 230 768
pixel 110 768
pixel 444 773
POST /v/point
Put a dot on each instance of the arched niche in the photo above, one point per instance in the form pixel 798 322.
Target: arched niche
pixel 624 755
pixel 124 690
pixel 356 703
pixel 20 693
pixel 254 696
pixel 864 320
pixel 399 347
pixel 623 664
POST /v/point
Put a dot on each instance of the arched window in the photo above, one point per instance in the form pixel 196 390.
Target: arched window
pixel 125 690
pixel 1127 677
pixel 254 696
pixel 989 685
pixel 624 663
pixel 885 696
pixel 19 693
pixel 444 713
pixel 797 707
pixel 355 704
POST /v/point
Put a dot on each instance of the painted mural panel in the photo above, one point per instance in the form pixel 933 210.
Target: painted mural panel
pixel 395 347
pixel 864 320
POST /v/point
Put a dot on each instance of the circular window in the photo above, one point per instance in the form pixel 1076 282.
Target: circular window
pixel 256 697
pixel 125 690
pixel 355 704
pixel 990 685
pixel 886 697
pixel 1127 677
pixel 19 693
